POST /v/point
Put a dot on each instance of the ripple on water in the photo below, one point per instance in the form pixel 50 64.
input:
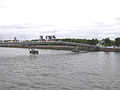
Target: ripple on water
pixel 31 74
pixel 36 87
pixel 45 74
pixel 58 70
pixel 21 83
pixel 11 88
pixel 64 88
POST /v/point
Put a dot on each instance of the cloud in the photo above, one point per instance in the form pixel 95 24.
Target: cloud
pixel 99 30
pixel 25 31
pixel 118 18
pixel 75 19
pixel 22 26
pixel 1 6
pixel 16 26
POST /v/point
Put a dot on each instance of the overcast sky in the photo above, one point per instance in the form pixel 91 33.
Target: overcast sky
pixel 27 19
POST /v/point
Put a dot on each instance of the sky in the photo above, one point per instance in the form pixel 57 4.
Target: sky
pixel 84 19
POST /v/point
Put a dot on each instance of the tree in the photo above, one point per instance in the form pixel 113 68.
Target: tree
pixel 107 42
pixel 85 41
pixel 117 41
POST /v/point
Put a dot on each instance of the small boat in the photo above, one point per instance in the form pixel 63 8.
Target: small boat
pixel 33 50
pixel 75 50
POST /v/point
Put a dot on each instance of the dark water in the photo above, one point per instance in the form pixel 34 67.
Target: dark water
pixel 58 70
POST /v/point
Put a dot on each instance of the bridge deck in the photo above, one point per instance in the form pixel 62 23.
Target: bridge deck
pixel 51 45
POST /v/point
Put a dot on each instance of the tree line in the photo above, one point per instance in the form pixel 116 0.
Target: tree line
pixel 106 41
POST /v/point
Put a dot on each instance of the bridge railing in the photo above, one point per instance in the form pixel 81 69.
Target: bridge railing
pixel 45 43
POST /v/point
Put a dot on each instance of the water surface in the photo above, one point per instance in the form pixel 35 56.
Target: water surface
pixel 58 70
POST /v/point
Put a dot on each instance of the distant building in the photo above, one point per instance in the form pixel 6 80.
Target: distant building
pixel 0 40
pixel 41 38
pixel 15 40
pixel 50 37
pixel 53 37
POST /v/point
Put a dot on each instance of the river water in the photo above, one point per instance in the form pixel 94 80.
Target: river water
pixel 58 70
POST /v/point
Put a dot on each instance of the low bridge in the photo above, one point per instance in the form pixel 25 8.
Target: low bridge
pixel 61 45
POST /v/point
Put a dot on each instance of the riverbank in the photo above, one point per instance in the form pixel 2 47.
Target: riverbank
pixel 59 46
pixel 110 49
pixel 55 47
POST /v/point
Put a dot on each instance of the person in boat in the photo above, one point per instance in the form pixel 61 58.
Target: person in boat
pixel 32 50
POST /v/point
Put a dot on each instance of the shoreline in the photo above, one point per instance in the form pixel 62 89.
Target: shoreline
pixel 70 48
pixel 110 49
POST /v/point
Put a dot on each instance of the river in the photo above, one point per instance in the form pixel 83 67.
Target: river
pixel 58 70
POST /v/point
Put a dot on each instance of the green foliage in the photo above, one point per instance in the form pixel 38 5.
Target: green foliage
pixel 107 42
pixel 85 41
pixel 117 41
pixel 35 40
pixel 92 42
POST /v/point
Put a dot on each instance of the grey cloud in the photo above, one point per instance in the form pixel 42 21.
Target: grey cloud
pixel 100 25
pixel 51 31
pixel 16 26
pixel 29 31
pixel 88 35
pixel 23 31
pixel 19 36
pixel 21 26
pixel 96 30
pixel 44 25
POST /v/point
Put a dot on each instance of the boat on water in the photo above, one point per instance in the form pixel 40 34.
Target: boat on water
pixel 33 50
pixel 75 50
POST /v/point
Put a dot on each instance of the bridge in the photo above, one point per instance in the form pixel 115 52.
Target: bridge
pixel 61 45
